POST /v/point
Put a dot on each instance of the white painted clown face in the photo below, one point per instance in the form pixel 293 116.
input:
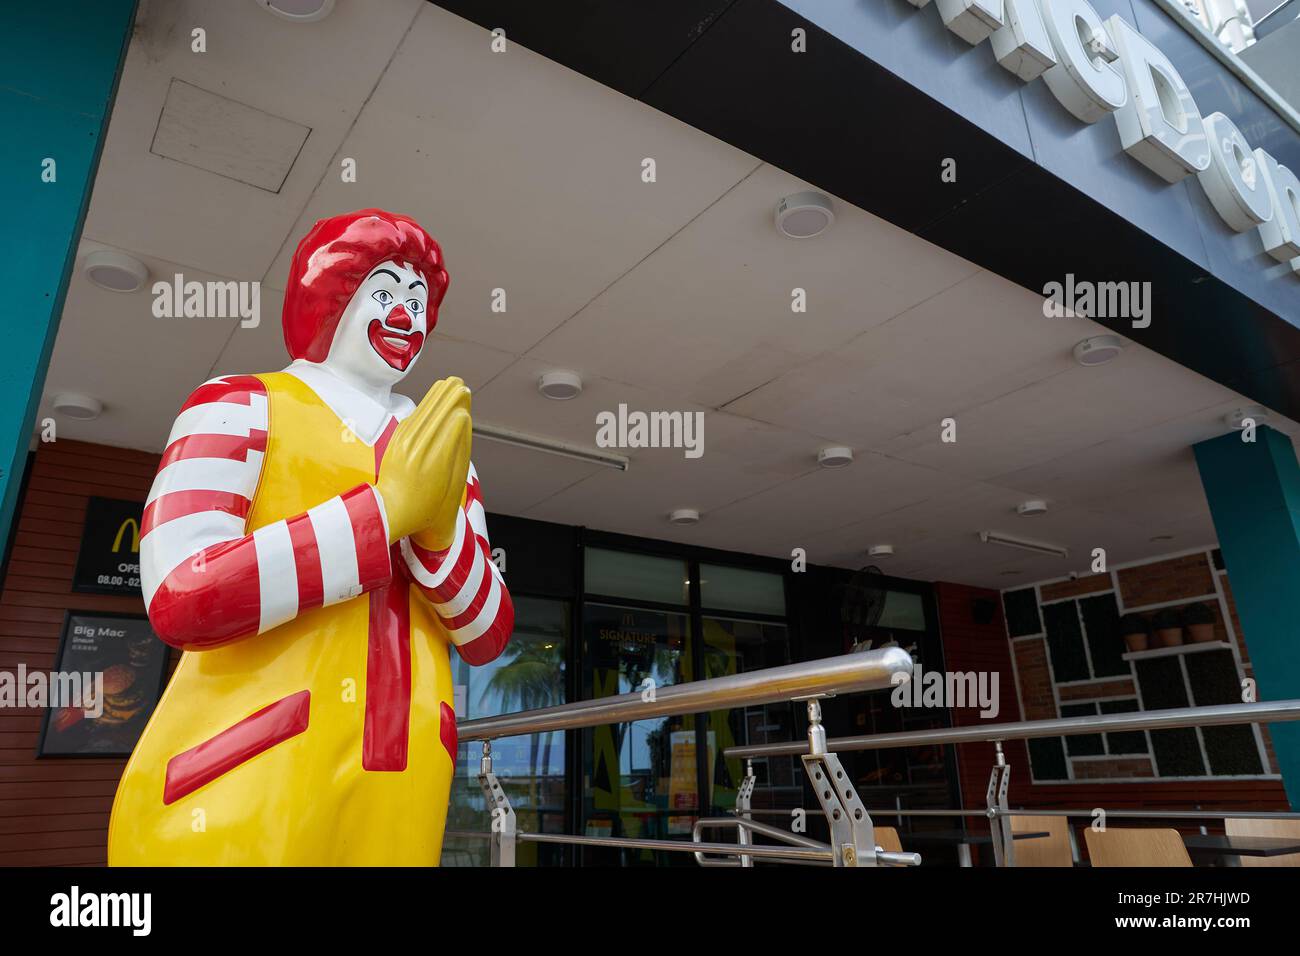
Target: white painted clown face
pixel 383 328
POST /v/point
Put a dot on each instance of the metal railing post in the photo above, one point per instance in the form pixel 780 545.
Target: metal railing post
pixel 744 798
pixel 505 828
pixel 1004 849
pixel 853 838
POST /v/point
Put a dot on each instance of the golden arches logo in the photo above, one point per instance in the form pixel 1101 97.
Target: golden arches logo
pixel 135 536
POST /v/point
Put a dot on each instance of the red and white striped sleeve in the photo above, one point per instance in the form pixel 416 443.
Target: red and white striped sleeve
pixel 206 582
pixel 464 585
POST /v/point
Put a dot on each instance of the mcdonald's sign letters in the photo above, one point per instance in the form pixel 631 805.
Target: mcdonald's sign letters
pixel 109 561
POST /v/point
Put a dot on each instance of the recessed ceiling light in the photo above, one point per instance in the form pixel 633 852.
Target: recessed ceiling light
pixel 1256 413
pixel 880 550
pixel 1098 350
pixel 560 385
pixel 77 405
pixel 298 11
pixel 835 456
pixel 1029 509
pixel 804 215
pixel 114 271
pixel 684 516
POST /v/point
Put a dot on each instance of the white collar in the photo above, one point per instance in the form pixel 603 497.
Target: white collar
pixel 363 414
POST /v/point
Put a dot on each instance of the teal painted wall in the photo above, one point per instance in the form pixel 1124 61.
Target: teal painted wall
pixel 59 64
pixel 1254 494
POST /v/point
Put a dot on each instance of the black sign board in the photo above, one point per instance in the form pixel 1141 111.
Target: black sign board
pixel 109 562
pixel 109 673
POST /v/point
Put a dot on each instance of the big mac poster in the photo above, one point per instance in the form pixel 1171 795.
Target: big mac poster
pixel 133 664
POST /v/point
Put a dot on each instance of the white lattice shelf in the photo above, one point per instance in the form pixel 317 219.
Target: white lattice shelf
pixel 1178 649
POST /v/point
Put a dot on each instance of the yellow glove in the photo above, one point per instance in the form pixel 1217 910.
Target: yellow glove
pixel 422 476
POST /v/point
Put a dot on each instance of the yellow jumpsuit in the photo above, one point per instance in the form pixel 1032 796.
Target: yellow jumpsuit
pixel 307 800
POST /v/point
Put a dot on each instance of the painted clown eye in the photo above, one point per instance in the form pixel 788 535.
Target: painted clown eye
pixel 383 297
pixel 414 306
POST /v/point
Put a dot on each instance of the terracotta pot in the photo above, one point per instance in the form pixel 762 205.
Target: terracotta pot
pixel 1136 642
pixel 1167 637
pixel 1201 633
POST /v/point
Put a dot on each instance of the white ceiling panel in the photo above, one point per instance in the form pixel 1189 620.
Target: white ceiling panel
pixel 709 314
pixel 220 135
pixel 1061 413
pixel 963 346
pixel 314 75
pixel 111 346
pixel 515 479
pixel 527 173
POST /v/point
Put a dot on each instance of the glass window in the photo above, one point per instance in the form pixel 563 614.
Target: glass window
pixel 740 589
pixel 527 675
pixel 1082 745
pixel 637 577
pixel 903 610
pixel 1129 741
pixel 640 778
pixel 734 647
pixel 1065 642
pixel 1101 627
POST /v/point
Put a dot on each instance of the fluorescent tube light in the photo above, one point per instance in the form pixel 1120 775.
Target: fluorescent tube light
pixel 1007 541
pixel 550 446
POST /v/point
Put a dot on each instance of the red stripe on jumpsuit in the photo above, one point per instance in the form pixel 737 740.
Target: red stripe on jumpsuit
pixel 388 663
pixel 258 732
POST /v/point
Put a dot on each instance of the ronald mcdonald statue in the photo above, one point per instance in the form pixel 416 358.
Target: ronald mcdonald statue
pixel 315 543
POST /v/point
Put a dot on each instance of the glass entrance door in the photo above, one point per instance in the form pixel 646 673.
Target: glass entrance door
pixel 640 778
pixel 529 674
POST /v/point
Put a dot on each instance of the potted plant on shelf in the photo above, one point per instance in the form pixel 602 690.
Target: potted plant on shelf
pixel 1199 620
pixel 1135 631
pixel 1167 627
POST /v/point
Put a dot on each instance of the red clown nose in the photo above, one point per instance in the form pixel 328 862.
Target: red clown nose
pixel 398 319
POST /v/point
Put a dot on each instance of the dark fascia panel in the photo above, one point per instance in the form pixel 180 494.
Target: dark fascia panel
pixel 620 43
pixel 851 127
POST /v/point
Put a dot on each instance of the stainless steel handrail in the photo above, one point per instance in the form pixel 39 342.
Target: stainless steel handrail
pixel 884 857
pixel 1164 814
pixel 882 812
pixel 820 852
pixel 1254 713
pixel 681 846
pixel 845 674
pixel 775 833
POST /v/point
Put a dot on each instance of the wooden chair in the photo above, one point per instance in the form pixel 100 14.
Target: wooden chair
pixel 1052 850
pixel 887 839
pixel 1257 827
pixel 1134 847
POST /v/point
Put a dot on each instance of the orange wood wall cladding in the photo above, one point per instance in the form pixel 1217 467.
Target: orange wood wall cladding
pixel 968 646
pixel 54 811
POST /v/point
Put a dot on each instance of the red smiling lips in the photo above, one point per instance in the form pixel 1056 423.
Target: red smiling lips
pixel 396 347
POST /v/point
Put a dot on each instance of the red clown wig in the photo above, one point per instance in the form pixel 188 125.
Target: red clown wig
pixel 332 261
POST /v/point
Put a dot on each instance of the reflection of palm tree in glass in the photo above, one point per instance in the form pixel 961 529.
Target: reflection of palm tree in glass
pixel 658 663
pixel 532 677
